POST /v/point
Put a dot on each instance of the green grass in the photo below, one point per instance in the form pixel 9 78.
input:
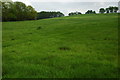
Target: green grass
pixel 83 46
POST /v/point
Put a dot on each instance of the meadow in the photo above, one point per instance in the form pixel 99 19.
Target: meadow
pixel 81 46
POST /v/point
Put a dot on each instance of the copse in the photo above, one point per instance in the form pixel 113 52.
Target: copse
pixel 20 10
pixel 44 14
pixel 74 13
pixel 17 11
pixel 107 10
pixel 115 9
pixel 102 10
pixel 6 11
pixel 110 9
pixel 90 12
pixel 31 13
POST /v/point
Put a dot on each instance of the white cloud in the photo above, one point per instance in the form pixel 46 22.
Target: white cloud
pixel 74 0
pixel 29 1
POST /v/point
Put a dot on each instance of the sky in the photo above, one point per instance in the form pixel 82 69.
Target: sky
pixel 67 6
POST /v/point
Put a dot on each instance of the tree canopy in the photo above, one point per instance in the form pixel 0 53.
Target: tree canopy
pixel 90 12
pixel 17 11
pixel 102 10
pixel 110 9
pixel 44 14
pixel 74 13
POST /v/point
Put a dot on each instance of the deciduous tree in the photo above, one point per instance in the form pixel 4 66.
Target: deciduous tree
pixel 102 10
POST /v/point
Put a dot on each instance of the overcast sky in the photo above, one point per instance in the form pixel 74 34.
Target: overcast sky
pixel 67 6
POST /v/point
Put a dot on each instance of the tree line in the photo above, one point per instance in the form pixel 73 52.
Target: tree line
pixel 44 14
pixel 90 12
pixel 74 13
pixel 18 11
pixel 110 9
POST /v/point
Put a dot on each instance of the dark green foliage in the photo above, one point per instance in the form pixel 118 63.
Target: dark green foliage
pixel 17 11
pixel 90 12
pixel 102 10
pixel 107 10
pixel 111 9
pixel 44 15
pixel 74 13
pixel 115 9
pixel 31 13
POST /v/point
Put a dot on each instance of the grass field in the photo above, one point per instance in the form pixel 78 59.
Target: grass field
pixel 83 46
